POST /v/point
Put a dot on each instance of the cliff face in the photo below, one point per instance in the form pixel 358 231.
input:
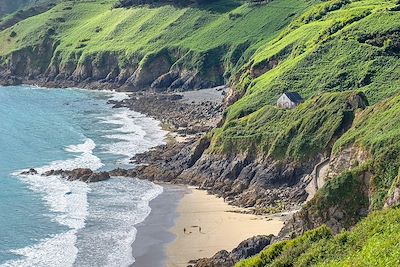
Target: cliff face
pixel 268 183
pixel 41 64
pixel 342 200
pixel 338 149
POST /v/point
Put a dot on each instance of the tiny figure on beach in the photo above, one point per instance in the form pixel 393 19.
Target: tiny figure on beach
pixel 184 230
pixel 199 229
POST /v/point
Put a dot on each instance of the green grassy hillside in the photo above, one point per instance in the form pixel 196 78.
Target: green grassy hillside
pixel 292 135
pixel 9 6
pixel 377 131
pixel 373 242
pixel 212 40
pixel 339 45
pixel 342 56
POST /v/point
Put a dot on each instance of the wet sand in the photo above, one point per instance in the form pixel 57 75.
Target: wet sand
pixel 153 234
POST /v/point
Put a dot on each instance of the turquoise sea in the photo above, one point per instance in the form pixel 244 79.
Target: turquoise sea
pixel 41 225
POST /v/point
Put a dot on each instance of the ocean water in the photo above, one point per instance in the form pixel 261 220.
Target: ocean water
pixel 92 225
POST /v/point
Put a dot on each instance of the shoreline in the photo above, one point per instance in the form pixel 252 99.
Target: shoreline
pixel 160 238
pixel 153 233
pixel 206 225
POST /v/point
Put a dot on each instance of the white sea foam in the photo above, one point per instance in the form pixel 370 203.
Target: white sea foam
pixel 69 209
pixel 119 96
pixel 85 159
pixel 136 134
pixel 56 251
pixel 115 207
pixel 123 255
pixel 112 208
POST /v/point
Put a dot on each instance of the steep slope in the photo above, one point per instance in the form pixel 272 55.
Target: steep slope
pixel 373 242
pixel 91 43
pixel 9 6
pixel 342 56
pixel 338 45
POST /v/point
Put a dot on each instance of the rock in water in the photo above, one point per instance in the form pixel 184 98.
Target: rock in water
pixel 80 174
pixel 31 171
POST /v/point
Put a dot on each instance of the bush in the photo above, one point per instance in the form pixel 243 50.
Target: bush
pixel 233 16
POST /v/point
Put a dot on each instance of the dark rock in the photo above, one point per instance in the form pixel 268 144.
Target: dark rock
pixel 164 81
pixel 80 174
pixel 246 249
pixel 30 172
pixel 123 172
pixel 53 172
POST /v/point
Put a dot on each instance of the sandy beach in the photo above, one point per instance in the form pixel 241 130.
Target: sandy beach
pixel 206 225
pixel 153 234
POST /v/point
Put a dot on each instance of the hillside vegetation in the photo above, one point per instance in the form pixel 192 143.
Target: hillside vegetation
pixel 337 46
pixel 91 40
pixel 9 6
pixel 373 242
pixel 341 56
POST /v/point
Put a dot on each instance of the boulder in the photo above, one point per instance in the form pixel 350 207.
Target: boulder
pixel 123 172
pixel 80 174
pixel 246 249
pixel 31 171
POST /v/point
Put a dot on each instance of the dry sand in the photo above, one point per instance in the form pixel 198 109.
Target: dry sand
pixel 220 228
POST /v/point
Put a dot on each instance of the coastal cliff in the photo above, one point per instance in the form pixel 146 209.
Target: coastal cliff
pixel 333 159
pixel 170 47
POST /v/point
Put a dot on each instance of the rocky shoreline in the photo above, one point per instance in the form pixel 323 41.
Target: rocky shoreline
pixel 244 181
pixel 183 161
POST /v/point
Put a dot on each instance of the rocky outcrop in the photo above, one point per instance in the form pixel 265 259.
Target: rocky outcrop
pixel 246 249
pixel 242 180
pixel 123 172
pixel 346 159
pixel 249 182
pixel 339 207
pixel 44 65
pixel 80 174
pixel 29 172
pixel 394 195
pixel 184 118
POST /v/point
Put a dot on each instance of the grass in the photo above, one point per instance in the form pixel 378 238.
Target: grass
pixel 373 242
pixel 333 47
pixel 284 253
pixel 327 51
pixel 376 130
pixel 88 29
pixel 292 135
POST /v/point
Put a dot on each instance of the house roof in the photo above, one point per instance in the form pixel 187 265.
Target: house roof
pixel 294 97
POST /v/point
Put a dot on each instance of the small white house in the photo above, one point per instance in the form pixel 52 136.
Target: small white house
pixel 289 100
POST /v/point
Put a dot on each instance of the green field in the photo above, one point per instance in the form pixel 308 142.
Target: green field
pixel 212 39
